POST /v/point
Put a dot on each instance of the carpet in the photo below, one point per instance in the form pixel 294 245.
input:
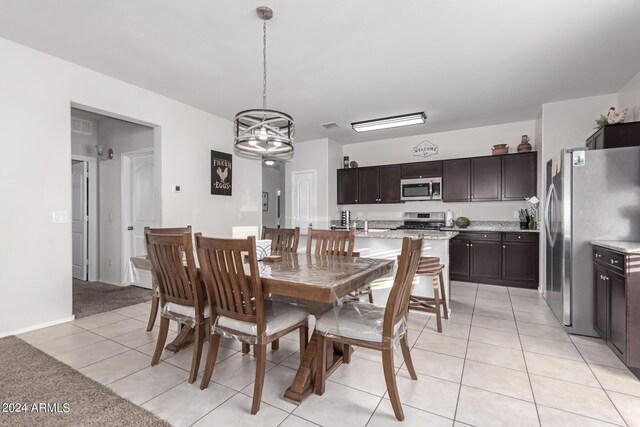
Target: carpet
pixel 62 396
pixel 95 297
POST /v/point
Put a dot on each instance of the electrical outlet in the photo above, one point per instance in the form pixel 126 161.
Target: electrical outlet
pixel 59 217
pixel 516 214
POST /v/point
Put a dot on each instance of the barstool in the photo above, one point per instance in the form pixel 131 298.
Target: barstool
pixel 430 266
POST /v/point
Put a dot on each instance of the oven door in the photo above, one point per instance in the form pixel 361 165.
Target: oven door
pixel 415 189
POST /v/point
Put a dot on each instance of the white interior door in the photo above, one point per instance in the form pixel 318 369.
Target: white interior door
pixel 138 206
pixel 79 219
pixel 303 199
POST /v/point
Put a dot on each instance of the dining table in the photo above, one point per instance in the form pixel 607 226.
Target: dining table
pixel 320 283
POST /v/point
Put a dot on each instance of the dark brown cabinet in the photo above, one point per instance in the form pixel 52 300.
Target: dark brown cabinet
pixel 459 258
pixel 486 180
pixel 375 184
pixel 519 175
pixel 509 259
pixel 422 170
pixel 520 258
pixel 616 301
pixel 614 136
pixel 368 185
pixel 456 180
pixel 389 189
pixel 347 186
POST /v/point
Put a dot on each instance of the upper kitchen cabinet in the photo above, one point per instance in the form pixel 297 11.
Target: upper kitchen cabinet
pixel 422 170
pixel 519 175
pixel 456 180
pixel 389 184
pixel 368 183
pixel 485 178
pixel 347 186
pixel 614 136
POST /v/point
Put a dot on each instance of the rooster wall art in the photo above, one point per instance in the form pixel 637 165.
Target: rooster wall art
pixel 221 173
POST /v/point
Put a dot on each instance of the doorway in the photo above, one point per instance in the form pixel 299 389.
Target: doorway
pixel 84 217
pixel 273 194
pixel 303 198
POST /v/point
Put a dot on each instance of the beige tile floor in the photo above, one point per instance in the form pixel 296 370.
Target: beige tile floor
pixel 502 360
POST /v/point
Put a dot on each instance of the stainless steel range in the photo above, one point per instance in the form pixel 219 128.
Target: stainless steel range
pixel 423 221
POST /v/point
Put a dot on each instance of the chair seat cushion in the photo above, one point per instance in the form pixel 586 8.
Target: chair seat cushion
pixel 186 310
pixel 356 320
pixel 279 316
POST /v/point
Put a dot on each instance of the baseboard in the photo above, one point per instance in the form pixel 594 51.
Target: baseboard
pixel 109 282
pixel 38 326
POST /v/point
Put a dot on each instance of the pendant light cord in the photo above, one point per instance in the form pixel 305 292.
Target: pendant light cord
pixel 264 64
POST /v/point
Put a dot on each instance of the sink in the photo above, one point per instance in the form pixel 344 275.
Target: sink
pixel 378 230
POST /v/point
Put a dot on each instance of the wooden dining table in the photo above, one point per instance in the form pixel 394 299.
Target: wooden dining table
pixel 320 283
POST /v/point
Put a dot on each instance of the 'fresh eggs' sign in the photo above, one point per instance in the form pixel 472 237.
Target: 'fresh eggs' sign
pixel 425 149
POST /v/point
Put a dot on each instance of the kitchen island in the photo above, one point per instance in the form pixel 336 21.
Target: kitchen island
pixel 386 244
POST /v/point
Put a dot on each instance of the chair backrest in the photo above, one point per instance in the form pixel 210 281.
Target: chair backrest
pixel 398 302
pixel 174 268
pixel 231 293
pixel 282 239
pixel 331 242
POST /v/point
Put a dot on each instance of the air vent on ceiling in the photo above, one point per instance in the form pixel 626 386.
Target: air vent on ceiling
pixel 82 126
pixel 330 125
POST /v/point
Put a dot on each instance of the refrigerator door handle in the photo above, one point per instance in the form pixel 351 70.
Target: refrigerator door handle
pixel 548 214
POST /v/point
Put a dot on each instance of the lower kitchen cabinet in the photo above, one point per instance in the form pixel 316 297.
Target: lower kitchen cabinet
pixel 509 259
pixel 616 302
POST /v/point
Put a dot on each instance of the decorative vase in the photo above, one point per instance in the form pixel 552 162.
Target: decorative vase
pixel 524 145
pixel 353 164
pixel 499 149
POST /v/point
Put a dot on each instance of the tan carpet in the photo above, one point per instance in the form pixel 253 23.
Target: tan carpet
pixel 29 376
pixel 96 297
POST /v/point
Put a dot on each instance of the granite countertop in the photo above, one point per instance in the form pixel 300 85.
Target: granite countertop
pixel 502 226
pixel 619 246
pixel 399 234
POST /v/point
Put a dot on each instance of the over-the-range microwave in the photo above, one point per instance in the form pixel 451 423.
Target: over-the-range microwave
pixel 414 189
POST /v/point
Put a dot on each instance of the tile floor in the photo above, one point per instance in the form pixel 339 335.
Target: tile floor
pixel 502 360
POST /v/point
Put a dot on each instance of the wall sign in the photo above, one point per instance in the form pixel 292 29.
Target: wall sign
pixel 221 169
pixel 425 149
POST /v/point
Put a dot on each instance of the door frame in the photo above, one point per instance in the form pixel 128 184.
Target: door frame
pixel 92 229
pixel 125 206
pixel 315 192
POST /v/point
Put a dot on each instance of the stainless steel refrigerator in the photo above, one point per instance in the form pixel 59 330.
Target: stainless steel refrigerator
pixel 591 195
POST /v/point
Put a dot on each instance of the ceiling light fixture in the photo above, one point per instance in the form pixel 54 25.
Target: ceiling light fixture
pixel 269 162
pixel 390 122
pixel 262 133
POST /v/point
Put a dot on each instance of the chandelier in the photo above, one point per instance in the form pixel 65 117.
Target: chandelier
pixel 263 133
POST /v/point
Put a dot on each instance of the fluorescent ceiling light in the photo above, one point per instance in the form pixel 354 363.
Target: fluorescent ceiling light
pixel 390 122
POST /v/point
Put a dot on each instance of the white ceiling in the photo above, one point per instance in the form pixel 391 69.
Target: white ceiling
pixel 465 63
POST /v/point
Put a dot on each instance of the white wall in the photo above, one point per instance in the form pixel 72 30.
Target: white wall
pixel 37 93
pixel 629 97
pixel 460 143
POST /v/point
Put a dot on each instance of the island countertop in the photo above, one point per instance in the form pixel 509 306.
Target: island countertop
pixel 399 234
pixel 626 247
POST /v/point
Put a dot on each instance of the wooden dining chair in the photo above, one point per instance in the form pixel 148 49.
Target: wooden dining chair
pixel 238 307
pixel 336 242
pixel 430 266
pixel 374 327
pixel 155 293
pixel 282 239
pixel 181 296
pixel 331 242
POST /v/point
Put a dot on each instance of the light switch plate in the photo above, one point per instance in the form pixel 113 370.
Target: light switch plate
pixel 59 217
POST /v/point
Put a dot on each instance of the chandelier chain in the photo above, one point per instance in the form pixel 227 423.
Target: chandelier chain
pixel 264 64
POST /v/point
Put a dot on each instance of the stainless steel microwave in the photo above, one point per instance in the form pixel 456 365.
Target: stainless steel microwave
pixel 421 189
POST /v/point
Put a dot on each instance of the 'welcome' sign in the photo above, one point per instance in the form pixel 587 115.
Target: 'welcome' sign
pixel 425 149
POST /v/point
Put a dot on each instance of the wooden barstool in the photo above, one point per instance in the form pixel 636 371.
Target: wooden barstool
pixel 430 266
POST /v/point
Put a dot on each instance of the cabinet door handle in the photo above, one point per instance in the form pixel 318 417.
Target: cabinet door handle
pixel 519 237
pixel 470 244
pixel 467 245
pixel 485 235
pixel 504 247
pixel 614 261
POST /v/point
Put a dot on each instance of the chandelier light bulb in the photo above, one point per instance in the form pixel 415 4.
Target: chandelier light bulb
pixel 252 142
pixel 263 134
pixel 277 143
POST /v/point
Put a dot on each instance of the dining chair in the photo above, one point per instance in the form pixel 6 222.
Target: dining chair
pixel 282 239
pixel 181 294
pixel 336 242
pixel 374 327
pixel 238 306
pixel 155 293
